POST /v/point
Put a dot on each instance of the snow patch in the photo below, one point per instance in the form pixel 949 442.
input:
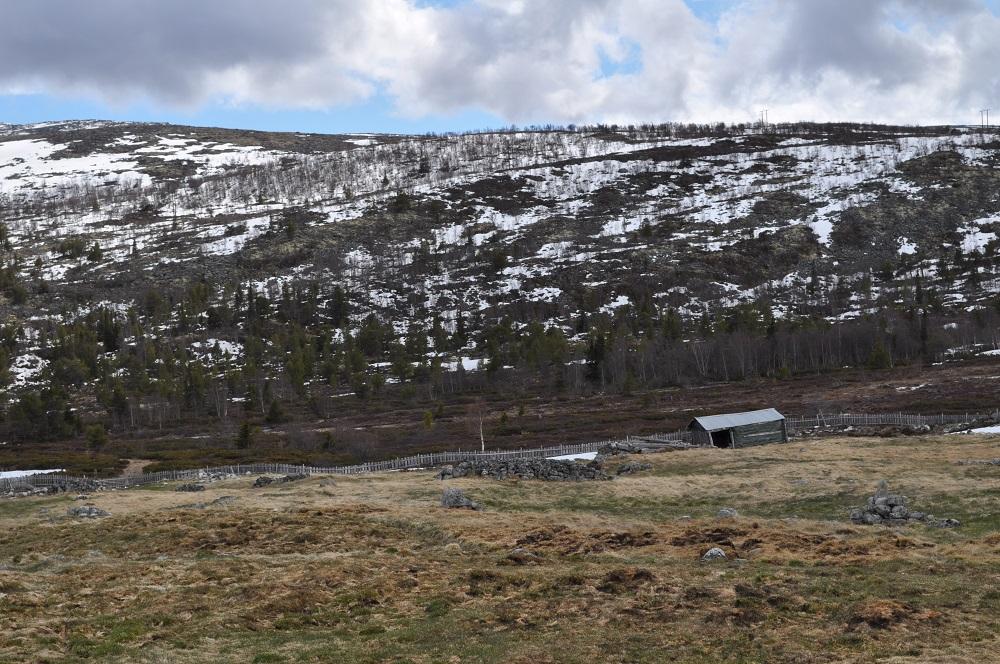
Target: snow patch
pixel 582 456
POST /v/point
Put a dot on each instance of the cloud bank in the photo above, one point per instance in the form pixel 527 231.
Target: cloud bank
pixel 917 61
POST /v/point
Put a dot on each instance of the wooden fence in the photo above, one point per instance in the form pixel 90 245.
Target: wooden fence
pixel 883 419
pixel 401 463
pixel 439 458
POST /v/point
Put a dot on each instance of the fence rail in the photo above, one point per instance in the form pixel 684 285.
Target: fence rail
pixel 438 458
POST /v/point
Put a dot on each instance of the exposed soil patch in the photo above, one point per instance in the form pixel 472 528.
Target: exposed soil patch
pixel 567 541
pixel 884 614
pixel 135 467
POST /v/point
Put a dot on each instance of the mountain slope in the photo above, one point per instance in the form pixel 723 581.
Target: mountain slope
pixel 600 250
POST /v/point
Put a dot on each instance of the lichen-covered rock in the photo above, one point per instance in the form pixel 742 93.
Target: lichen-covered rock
pixel 522 556
pixel 715 553
pixel 727 513
pixel 633 467
pixel 456 499
pixel 87 512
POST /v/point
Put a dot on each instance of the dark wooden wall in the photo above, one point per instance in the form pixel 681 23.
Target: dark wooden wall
pixel 759 434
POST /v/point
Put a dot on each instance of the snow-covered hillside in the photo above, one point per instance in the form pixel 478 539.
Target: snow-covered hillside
pixel 553 226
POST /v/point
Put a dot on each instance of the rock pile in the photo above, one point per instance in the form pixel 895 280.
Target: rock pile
pixel 526 469
pixel 215 475
pixel 265 480
pixel 612 449
pixel 62 485
pixel 26 491
pixel 191 488
pixel 891 509
pixel 633 467
pixel 87 512
pixel 77 485
pixel 867 431
pixel 455 499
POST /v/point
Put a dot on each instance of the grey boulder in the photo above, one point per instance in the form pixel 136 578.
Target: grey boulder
pixel 453 498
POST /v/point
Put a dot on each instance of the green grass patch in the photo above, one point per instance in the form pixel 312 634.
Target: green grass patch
pixel 21 507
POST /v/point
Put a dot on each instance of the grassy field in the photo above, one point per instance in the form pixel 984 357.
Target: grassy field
pixel 371 569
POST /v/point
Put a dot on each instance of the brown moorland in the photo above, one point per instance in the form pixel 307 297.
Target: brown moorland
pixel 372 569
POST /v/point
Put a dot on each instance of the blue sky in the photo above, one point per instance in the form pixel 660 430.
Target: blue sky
pixel 529 66
pixel 376 115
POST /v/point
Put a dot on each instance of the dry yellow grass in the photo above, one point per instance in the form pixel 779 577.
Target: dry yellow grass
pixel 371 569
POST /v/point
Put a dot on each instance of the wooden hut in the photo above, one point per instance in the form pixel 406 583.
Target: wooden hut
pixel 755 427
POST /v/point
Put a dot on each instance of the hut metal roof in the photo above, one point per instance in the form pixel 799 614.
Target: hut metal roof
pixel 730 420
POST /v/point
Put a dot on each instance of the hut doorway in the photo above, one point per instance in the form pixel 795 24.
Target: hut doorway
pixel 723 438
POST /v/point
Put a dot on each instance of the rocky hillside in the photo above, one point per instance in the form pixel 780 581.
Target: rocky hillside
pixel 351 261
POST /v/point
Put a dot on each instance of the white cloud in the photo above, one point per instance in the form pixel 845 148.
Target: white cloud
pixel 529 60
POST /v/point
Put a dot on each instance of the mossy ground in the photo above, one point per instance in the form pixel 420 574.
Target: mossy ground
pixel 371 569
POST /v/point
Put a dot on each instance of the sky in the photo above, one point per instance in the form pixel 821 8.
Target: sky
pixel 414 66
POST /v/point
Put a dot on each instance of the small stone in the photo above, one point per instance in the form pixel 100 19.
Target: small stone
pixel 948 523
pixel 191 488
pixel 727 513
pixel 715 553
pixel 522 556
